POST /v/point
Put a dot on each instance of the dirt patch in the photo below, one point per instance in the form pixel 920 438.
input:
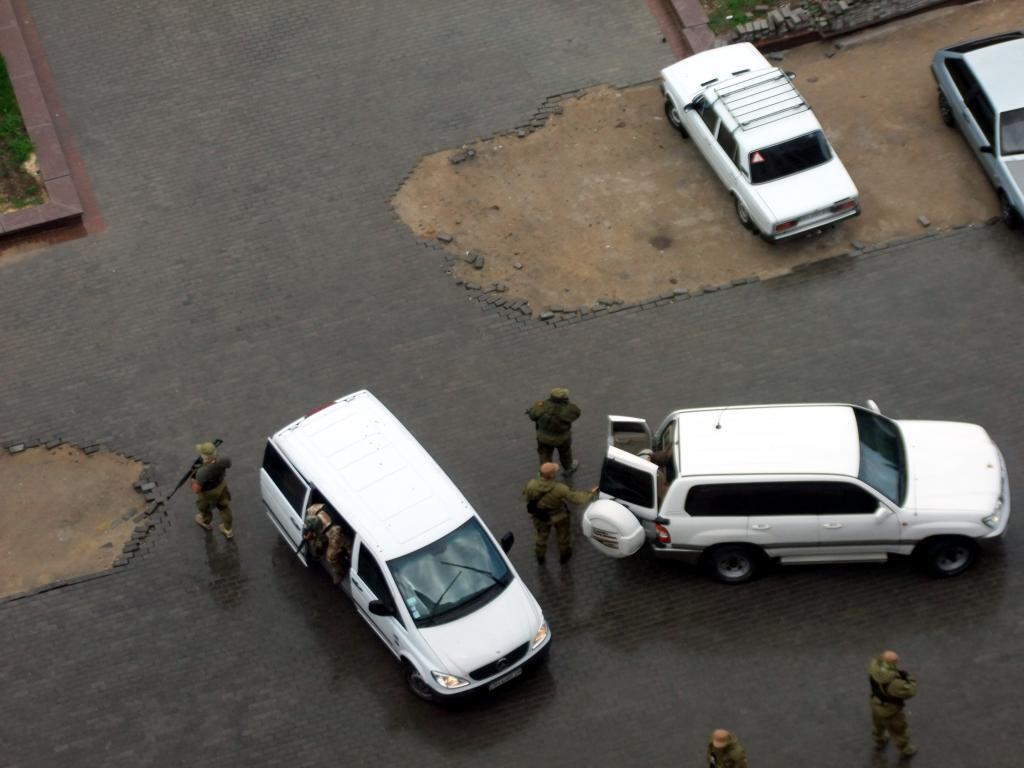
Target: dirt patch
pixel 63 513
pixel 606 200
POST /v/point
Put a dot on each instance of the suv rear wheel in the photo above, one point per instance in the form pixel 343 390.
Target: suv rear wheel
pixel 732 563
pixel 948 556
pixel 672 114
pixel 945 111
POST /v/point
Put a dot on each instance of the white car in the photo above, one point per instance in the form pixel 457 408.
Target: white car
pixel 761 139
pixel 425 573
pixel 734 487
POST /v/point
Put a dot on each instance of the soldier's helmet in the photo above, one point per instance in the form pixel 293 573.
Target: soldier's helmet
pixel 559 393
pixel 206 449
pixel 313 525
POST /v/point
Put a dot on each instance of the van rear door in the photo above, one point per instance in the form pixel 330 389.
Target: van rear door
pixel 285 495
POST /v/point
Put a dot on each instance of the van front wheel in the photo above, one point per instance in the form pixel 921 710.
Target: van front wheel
pixel 420 687
pixel 732 563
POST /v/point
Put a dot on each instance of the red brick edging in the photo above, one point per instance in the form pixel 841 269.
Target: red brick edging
pixel 62 202
pixel 684 24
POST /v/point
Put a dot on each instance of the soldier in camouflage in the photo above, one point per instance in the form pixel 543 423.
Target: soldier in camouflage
pixel 554 418
pixel 546 502
pixel 326 539
pixel 724 751
pixel 211 489
pixel 890 689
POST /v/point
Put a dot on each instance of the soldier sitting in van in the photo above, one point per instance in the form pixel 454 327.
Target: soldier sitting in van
pixel 327 539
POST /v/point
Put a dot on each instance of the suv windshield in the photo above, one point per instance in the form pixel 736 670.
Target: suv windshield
pixel 789 157
pixel 1011 132
pixel 453 575
pixel 882 463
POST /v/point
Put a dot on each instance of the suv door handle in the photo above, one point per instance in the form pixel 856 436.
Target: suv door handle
pixel 832 525
pixel 760 526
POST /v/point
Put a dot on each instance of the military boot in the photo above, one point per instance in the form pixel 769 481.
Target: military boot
pixel 229 533
pixel 202 523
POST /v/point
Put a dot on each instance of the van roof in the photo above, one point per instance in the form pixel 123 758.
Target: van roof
pixel 375 473
pixel 769 439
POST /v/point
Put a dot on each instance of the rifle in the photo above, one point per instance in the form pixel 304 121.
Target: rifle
pixel 191 472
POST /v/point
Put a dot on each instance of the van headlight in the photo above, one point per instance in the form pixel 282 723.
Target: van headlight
pixel 540 637
pixel 992 521
pixel 449 681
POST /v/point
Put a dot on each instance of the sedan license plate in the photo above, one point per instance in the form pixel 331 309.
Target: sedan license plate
pixel 505 678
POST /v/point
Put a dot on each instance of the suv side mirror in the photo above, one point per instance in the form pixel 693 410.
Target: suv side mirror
pixel 507 541
pixel 379 608
pixel 986 149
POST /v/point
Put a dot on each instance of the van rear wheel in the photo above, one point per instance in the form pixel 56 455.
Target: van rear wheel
pixel 732 563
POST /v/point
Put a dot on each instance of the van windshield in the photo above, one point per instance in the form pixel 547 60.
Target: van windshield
pixel 451 577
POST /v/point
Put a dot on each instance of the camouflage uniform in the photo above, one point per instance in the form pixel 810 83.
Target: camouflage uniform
pixel 729 755
pixel 211 479
pixel 554 418
pixel 890 688
pixel 327 540
pixel 550 499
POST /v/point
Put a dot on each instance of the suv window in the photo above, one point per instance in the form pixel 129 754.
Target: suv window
pixel 371 576
pixel 625 483
pixel 789 157
pixel 290 485
pixel 774 499
pixel 962 77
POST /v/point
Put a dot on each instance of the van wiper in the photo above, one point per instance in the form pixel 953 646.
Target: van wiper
pixel 450 583
pixel 488 574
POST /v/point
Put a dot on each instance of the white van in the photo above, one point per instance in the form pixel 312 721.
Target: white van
pixel 425 572
pixel 735 487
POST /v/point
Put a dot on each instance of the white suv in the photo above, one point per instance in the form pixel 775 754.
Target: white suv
pixel 421 567
pixel 733 487
pixel 761 139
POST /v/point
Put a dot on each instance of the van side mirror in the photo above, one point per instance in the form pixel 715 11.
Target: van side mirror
pixel 986 149
pixel 507 541
pixel 873 406
pixel 379 608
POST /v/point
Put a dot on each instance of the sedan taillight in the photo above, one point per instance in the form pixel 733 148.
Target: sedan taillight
pixel 844 205
pixel 786 225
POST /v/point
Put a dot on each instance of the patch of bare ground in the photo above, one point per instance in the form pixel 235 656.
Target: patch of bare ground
pixel 63 513
pixel 606 200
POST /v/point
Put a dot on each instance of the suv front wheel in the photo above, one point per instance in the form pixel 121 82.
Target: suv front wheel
pixel 732 563
pixel 948 556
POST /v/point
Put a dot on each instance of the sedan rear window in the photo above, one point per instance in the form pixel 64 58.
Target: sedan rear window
pixel 1011 132
pixel 789 157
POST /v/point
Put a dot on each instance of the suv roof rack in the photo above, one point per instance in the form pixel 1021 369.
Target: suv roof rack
pixel 760 98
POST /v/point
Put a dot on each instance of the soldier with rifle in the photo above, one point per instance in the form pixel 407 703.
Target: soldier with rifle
pixel 209 483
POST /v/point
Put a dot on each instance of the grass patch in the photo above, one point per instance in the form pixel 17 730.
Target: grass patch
pixel 741 12
pixel 18 187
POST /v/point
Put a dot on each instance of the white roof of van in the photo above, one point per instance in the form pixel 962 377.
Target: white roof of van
pixel 375 473
pixel 769 439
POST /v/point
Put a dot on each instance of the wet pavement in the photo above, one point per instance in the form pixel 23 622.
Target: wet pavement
pixel 251 270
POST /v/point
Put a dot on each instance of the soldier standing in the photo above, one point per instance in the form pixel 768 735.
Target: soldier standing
pixel 211 489
pixel 554 418
pixel 890 689
pixel 724 751
pixel 326 539
pixel 546 502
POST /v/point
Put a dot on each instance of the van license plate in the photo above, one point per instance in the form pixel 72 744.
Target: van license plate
pixel 502 680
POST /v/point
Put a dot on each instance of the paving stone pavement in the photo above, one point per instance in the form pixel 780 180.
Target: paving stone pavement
pixel 243 154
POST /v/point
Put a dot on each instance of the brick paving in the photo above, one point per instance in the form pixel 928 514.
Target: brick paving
pixel 243 155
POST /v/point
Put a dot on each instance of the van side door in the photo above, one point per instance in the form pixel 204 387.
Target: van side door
pixel 371 584
pixel 285 495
